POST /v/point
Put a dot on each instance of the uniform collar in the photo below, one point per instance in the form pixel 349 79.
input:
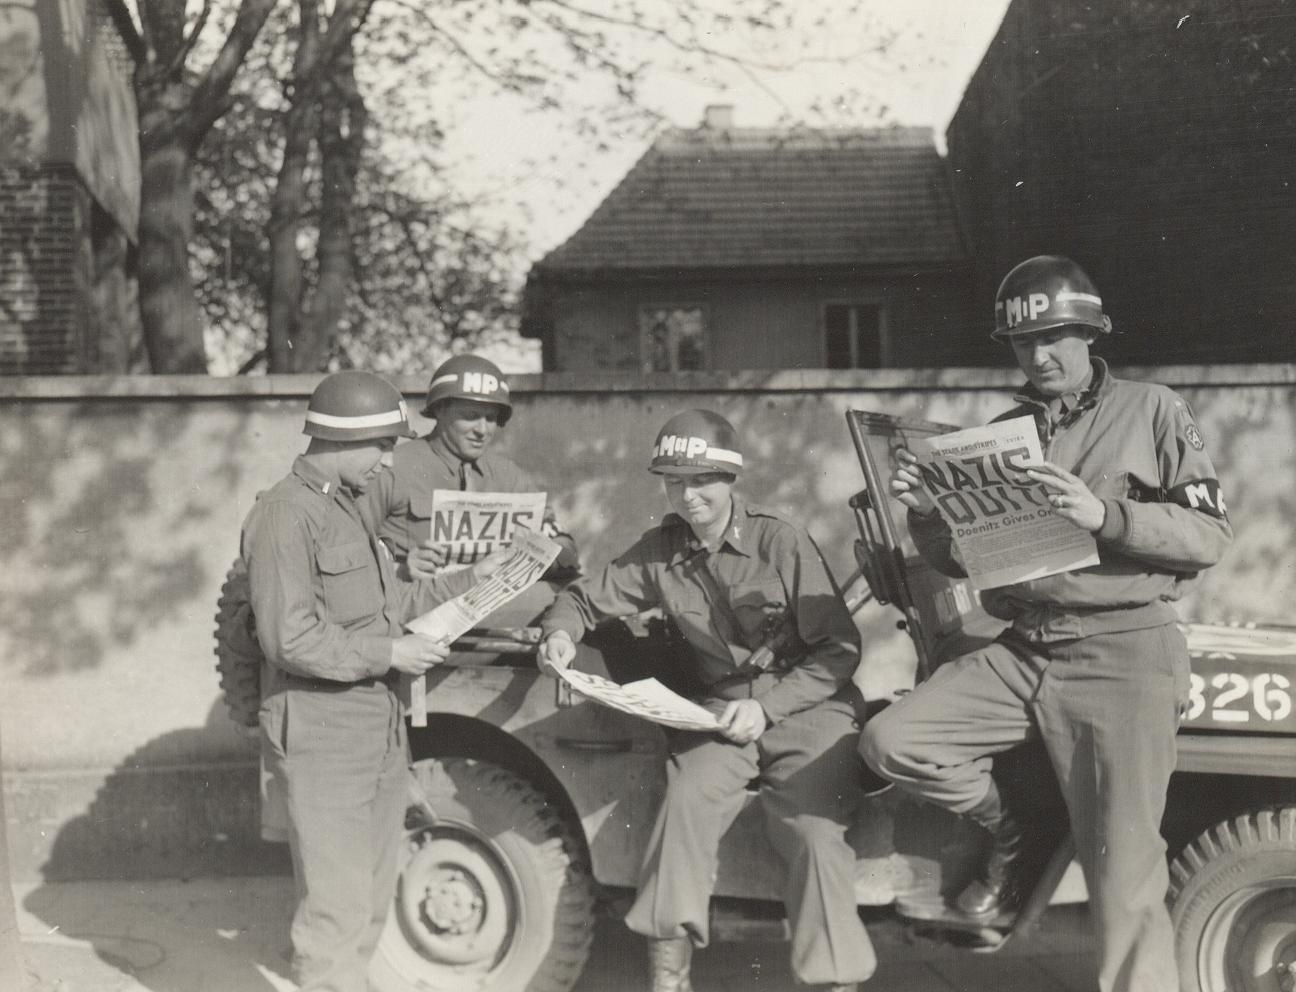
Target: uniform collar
pixel 1099 385
pixel 314 480
pixel 437 445
pixel 736 536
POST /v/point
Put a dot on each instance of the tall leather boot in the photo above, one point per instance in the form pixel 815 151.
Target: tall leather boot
pixel 989 893
pixel 668 962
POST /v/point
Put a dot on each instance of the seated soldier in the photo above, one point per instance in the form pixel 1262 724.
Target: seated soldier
pixel 729 573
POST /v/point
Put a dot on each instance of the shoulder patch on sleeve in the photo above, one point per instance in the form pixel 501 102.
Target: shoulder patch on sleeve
pixel 1186 425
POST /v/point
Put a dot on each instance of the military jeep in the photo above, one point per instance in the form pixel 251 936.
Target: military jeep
pixel 532 807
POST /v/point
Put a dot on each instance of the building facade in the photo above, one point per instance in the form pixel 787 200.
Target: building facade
pixel 69 188
pixel 1153 143
pixel 743 248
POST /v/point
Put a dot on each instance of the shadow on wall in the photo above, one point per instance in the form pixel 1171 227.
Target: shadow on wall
pixel 154 819
pixel 157 821
pixel 104 513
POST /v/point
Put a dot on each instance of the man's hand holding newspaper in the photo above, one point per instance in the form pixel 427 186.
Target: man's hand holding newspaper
pixel 501 575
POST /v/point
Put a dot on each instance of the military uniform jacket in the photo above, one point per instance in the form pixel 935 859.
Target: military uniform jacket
pixel 324 591
pixel 398 505
pixel 767 568
pixel 1138 449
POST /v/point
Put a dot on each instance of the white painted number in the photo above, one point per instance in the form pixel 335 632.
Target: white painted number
pixel 1270 697
pixel 1272 700
pixel 1196 697
pixel 1237 689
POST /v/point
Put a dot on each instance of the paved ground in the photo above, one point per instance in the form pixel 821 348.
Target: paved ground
pixel 227 935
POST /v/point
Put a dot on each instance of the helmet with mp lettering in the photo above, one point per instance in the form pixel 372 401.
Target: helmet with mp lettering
pixel 356 406
pixel 469 377
pixel 695 442
pixel 1046 292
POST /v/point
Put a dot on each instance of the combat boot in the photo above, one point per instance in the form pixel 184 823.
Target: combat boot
pixel 668 963
pixel 990 892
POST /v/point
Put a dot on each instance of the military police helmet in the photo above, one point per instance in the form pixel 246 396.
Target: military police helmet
pixel 1045 292
pixel 356 406
pixel 469 377
pixel 695 442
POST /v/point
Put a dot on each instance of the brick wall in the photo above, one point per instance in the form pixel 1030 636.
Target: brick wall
pixel 69 187
pixel 42 272
pixel 1153 143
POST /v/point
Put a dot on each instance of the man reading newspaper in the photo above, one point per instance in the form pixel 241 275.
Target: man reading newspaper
pixel 451 498
pixel 729 573
pixel 1092 662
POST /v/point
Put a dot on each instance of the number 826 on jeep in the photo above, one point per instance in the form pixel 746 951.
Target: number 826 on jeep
pixel 1234 685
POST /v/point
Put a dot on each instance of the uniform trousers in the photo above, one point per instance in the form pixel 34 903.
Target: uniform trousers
pixel 341 758
pixel 1107 708
pixel 809 775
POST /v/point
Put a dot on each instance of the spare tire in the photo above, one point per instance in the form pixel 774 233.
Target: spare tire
pixel 238 653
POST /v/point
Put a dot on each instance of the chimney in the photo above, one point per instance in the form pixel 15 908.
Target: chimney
pixel 718 117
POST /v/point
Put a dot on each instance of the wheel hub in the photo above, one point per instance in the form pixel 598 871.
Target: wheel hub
pixel 453 903
pixel 1251 939
pixel 1286 973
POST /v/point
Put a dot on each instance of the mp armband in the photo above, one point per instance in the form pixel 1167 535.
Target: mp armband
pixel 1202 495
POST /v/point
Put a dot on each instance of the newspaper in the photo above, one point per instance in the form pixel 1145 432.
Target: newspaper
pixel 470 525
pixel 1004 527
pixel 646 698
pixel 530 554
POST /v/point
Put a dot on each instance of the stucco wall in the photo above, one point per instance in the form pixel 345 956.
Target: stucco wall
pixel 121 505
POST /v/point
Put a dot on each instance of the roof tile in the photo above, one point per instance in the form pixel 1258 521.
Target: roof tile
pixel 745 197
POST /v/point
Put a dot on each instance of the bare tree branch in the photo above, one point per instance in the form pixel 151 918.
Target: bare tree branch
pixel 182 53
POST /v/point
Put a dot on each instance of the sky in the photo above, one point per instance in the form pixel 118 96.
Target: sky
pixel 544 184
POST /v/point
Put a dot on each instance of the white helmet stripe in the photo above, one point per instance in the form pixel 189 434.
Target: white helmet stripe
pixel 359 422
pixel 724 455
pixel 1066 296
pixel 452 377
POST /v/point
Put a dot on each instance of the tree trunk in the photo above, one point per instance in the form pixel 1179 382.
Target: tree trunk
pixel 289 201
pixel 175 114
pixel 341 143
pixel 172 322
pixel 13 969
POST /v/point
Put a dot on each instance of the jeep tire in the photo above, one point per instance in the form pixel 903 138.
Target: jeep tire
pixel 496 895
pixel 238 653
pixel 1233 904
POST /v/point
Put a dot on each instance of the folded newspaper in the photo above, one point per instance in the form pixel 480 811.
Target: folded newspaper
pixel 1003 524
pixel 530 553
pixel 646 698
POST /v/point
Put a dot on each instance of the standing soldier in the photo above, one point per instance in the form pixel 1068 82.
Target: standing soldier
pixel 329 612
pixel 1093 661
pixel 469 398
pixel 730 573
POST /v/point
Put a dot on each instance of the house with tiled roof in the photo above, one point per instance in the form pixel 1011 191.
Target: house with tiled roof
pixel 745 248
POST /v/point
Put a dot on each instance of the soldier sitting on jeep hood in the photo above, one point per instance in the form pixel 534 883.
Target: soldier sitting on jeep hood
pixel 1093 662
pixel 726 572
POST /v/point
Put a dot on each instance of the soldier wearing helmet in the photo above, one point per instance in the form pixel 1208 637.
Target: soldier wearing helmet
pixel 729 573
pixel 1092 661
pixel 329 614
pixel 469 399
